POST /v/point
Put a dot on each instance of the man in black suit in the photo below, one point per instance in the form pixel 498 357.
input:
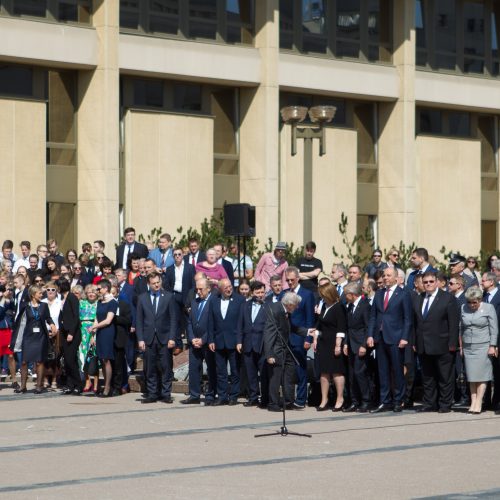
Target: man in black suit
pixel 222 327
pixel 436 319
pixel 141 283
pixel 491 294
pixel 390 327
pixel 358 317
pixel 456 286
pixel 195 255
pixel 220 250
pixel 155 327
pixel 250 340
pixel 277 351
pixel 128 246
pixel 276 291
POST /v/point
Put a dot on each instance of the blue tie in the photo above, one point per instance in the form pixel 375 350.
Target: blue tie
pixel 426 308
pixel 201 305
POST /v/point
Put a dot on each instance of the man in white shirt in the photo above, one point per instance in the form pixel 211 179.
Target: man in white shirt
pixel 24 259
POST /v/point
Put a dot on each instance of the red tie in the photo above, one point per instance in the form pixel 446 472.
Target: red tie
pixel 193 261
pixel 386 299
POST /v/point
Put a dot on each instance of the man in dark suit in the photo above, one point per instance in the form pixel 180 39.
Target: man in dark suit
pixel 276 291
pixel 220 251
pixel 197 330
pixel 358 317
pixel 195 255
pixel 250 340
pixel 141 283
pixel 123 322
pixel 303 318
pixel 491 294
pixel 390 327
pixel 155 328
pixel 179 279
pixel 436 319
pixel 277 332
pixel 420 262
pixel 128 246
pixel 457 266
pixel 222 330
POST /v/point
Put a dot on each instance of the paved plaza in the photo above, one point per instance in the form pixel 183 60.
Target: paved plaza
pixel 54 446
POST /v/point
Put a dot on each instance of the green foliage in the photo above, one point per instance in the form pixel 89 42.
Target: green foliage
pixel 353 245
pixel 153 236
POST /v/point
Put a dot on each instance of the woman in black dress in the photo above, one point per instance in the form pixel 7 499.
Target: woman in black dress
pixel 31 337
pixel 330 334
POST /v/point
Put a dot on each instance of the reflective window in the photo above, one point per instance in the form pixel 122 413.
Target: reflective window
pixel 239 17
pixel 35 8
pixel 129 14
pixel 379 30
pixel 187 97
pixel 445 34
pixel 164 16
pixel 420 28
pixel 76 11
pixel 286 24
pixel 348 28
pixel 148 93
pixel 16 80
pixel 474 39
pixel 203 19
pixel 459 124
pixel 430 121
pixel 495 18
pixel 314 38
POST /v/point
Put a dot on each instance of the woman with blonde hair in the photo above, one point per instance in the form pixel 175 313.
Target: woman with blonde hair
pixel 88 308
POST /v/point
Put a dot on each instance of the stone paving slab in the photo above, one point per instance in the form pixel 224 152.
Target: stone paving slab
pixel 54 446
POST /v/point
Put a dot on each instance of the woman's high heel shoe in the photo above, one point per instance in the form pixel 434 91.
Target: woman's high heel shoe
pixel 322 408
pixel 20 390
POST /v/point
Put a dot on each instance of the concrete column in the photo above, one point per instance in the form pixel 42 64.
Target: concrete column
pixel 98 134
pixel 398 191
pixel 259 138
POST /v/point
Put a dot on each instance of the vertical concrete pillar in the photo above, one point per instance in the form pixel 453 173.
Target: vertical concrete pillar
pixel 98 134
pixel 259 131
pixel 398 190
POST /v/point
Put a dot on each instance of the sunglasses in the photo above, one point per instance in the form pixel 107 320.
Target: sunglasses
pixel 453 283
pixel 177 255
pixel 98 288
pixel 428 282
pixel 51 289
pixel 395 255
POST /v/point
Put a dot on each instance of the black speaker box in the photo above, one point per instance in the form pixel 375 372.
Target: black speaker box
pixel 239 219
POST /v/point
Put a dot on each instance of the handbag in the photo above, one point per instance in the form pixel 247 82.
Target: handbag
pixel 91 366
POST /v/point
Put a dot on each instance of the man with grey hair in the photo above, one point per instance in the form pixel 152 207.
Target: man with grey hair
pixel 457 266
pixel 495 267
pixel 339 276
pixel 277 350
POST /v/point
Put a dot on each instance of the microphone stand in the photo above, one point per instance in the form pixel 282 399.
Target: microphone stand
pixel 283 429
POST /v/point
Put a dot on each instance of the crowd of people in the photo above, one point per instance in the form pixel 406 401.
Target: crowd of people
pixel 357 339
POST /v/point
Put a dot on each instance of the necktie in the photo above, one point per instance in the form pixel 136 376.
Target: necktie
pixel 155 302
pixel 163 258
pixel 487 297
pixel 201 305
pixel 193 261
pixel 339 289
pixel 350 308
pixel 386 299
pixel 426 308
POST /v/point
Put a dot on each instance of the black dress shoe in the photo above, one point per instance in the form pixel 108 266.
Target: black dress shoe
pixel 350 408
pixel 398 407
pixel 147 401
pixel 191 401
pixel 425 409
pixel 322 408
pixel 463 403
pixel 363 408
pixel 289 406
pixel 408 404
pixel 381 408
pixel 167 400
pixel 221 402
pixel 208 402
pixel 233 402
pixel 67 391
pixel 336 409
pixel 20 390
pixel 274 408
pixel 444 410
pixel 250 403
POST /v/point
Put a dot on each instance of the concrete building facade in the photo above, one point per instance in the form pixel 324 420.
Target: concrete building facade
pixel 154 113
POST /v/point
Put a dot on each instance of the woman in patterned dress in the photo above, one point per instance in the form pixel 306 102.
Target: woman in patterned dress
pixel 88 307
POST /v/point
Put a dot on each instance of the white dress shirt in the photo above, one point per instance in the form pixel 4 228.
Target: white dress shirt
pixel 179 270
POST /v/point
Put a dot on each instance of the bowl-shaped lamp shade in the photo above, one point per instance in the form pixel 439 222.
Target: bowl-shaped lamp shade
pixel 322 114
pixel 293 114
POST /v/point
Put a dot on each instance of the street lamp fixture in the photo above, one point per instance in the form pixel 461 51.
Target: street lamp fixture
pixel 319 115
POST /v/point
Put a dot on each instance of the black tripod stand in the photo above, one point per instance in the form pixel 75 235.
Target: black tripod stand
pixel 283 429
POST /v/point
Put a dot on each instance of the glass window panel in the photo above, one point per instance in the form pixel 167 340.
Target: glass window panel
pixel 346 49
pixel 486 134
pixel 77 11
pixel 314 38
pixel 239 16
pixel 489 235
pixel 203 19
pixel 61 108
pixel 164 16
pixel 489 183
pixel 187 97
pixel 379 30
pixel 348 19
pixel 364 124
pixel 430 121
pixel 16 80
pixel 495 18
pixel 36 8
pixel 445 33
pixel 129 14
pixel 459 124
pixel 474 38
pixel 368 175
pixel 420 23
pixel 223 108
pixel 148 93
pixel 286 24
